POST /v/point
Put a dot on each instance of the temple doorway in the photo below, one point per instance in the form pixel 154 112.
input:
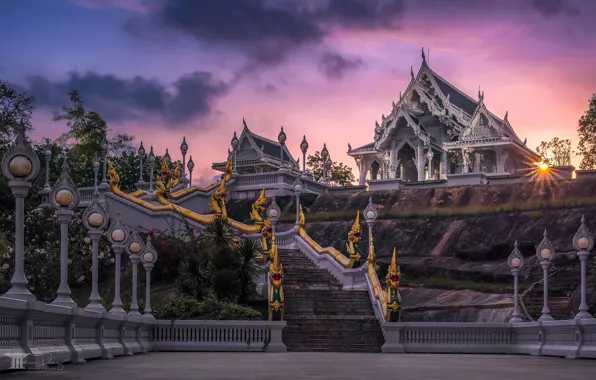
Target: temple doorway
pixel 407 157
pixel 374 170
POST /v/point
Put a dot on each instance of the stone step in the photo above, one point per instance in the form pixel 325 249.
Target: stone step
pixel 320 316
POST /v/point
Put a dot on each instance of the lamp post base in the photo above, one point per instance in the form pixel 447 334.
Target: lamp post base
pixel 19 292
pixel 117 310
pixel 95 306
pixel 545 318
pixel 584 314
pixel 63 300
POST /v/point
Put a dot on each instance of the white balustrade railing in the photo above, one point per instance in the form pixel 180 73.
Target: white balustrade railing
pixel 35 334
pixel 570 338
pixel 351 279
pixel 191 335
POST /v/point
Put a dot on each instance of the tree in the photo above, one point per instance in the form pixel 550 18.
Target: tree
pixel 87 129
pixel 15 108
pixel 339 175
pixel 556 152
pixel 587 136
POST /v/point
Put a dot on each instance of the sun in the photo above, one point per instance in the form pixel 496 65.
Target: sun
pixel 543 165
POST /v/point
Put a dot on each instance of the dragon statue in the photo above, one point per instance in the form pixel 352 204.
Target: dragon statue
pixel 352 244
pixel 393 311
pixel 258 208
pixel 218 198
pixel 276 293
pixel 267 240
pixel 168 178
pixel 113 179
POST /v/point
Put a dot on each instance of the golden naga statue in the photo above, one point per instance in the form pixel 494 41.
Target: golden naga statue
pixel 276 293
pixel 258 208
pixel 267 240
pixel 113 179
pixel 352 245
pixel 168 178
pixel 393 313
pixel 218 198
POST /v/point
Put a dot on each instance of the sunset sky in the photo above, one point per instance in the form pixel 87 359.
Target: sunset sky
pixel 161 70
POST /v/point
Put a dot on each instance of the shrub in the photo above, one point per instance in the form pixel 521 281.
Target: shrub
pixel 190 308
pixel 223 267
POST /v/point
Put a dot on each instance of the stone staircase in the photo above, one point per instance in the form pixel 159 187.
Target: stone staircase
pixel 322 317
pixel 561 288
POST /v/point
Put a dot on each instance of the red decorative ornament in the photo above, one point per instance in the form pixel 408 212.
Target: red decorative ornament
pixel 276 277
pixel 394 278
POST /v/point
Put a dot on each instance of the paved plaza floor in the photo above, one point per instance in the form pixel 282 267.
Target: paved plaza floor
pixel 320 366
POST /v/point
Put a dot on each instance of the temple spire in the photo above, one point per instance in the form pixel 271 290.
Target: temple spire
pixel 423 57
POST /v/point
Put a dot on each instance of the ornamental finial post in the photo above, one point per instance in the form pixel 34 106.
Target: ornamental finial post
pixel 583 242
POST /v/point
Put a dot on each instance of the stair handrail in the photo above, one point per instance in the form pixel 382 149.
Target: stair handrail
pixel 165 205
pixel 375 285
pixel 347 263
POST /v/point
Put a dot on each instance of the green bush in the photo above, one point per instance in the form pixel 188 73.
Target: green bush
pixel 190 308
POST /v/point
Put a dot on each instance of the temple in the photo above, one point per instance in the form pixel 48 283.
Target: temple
pixel 256 154
pixel 436 134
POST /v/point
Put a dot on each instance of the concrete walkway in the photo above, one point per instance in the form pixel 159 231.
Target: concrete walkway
pixel 327 366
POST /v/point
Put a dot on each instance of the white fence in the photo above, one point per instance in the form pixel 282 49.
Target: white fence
pixel 193 335
pixel 571 338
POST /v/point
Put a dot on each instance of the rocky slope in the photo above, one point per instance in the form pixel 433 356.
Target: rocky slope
pixel 451 237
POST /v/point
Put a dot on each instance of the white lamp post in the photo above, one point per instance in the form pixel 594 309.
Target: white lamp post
pixel 281 138
pixel 45 192
pixel 325 157
pixel 151 165
pixel 184 150
pixel 304 149
pixel 134 247
pixel 583 242
pixel 545 253
pixel 149 257
pixel 20 166
pixel 298 187
pixel 95 219
pixel 167 157
pixel 370 215
pixel 117 235
pixel 191 166
pixel 141 153
pixel 234 144
pixel 104 153
pixel 65 198
pixel 273 212
pixel 515 262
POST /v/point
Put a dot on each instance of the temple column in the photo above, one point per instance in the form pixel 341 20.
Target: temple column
pixel 443 165
pixel 420 161
pixel 363 169
pixel 393 164
pixel 429 157
pixel 465 157
pixel 477 162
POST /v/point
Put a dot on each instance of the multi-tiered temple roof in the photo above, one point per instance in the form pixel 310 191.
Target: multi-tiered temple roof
pixel 440 117
pixel 258 154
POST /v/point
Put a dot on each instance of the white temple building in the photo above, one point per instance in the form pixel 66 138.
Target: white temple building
pixel 436 134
